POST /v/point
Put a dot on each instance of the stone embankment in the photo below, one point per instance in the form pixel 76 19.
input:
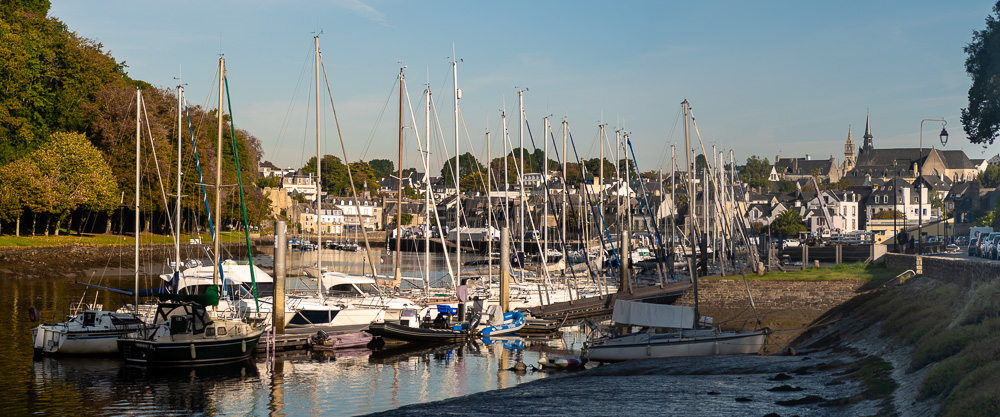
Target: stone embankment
pixel 787 307
pixel 55 261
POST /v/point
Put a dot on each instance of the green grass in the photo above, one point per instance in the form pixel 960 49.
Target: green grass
pixel 856 271
pixel 103 239
pixel 876 379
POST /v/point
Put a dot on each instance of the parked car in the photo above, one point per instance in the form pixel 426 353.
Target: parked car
pixel 972 246
pixel 992 241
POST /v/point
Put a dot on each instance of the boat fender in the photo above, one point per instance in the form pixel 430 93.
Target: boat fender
pixel 193 355
pixel 33 315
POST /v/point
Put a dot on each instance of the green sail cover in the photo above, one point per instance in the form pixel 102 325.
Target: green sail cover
pixel 209 298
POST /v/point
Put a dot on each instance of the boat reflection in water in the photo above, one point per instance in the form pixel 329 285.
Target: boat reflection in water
pixel 109 387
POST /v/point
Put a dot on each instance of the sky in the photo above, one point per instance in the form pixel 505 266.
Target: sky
pixel 763 78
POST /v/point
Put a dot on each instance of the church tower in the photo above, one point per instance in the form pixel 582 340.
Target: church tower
pixel 868 136
pixel 849 156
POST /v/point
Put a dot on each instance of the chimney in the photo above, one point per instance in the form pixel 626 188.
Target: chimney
pixel 807 157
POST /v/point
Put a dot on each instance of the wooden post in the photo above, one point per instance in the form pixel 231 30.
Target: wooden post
pixel 504 269
pixel 280 253
pixel 840 254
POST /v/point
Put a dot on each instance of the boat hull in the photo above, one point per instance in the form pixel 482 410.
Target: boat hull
pixel 634 346
pixel 513 322
pixel 188 352
pixel 90 333
pixel 396 331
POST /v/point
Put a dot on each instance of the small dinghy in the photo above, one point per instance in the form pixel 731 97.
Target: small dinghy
pixel 564 362
pixel 512 322
pixel 323 341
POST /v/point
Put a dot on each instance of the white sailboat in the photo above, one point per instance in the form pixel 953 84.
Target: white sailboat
pixel 319 309
pixel 95 331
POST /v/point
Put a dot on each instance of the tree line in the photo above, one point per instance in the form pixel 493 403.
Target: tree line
pixel 67 120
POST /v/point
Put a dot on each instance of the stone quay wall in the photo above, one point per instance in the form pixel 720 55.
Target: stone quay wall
pixel 964 271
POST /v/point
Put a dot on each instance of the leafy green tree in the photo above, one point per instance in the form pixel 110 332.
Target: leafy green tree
pixel 382 168
pixel 981 120
pixel 475 181
pixel 990 178
pixel 788 223
pixel 467 165
pixel 756 172
pixel 787 187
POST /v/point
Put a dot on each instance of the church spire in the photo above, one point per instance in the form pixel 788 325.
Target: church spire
pixel 849 156
pixel 868 134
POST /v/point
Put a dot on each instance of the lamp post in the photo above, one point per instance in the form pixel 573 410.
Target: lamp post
pixel 920 208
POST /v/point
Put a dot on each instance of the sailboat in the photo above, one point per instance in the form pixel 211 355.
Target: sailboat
pixel 319 309
pixel 95 331
pixel 184 332
pixel 671 331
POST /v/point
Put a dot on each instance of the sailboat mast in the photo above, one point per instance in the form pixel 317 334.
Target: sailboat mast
pixel 427 191
pixel 565 197
pixel 177 204
pixel 398 276
pixel 691 204
pixel 545 178
pixel 489 211
pixel 319 183
pixel 138 132
pixel 458 192
pixel 520 179
pixel 218 178
pixel 600 201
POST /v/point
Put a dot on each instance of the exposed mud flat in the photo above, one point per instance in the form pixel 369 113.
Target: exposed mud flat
pixel 702 386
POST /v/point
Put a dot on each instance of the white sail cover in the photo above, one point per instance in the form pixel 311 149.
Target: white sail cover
pixel 654 315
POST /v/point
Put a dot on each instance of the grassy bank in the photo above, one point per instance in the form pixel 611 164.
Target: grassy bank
pixel 869 273
pixel 104 239
pixel 952 328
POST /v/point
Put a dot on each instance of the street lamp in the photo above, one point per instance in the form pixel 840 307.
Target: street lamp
pixel 920 208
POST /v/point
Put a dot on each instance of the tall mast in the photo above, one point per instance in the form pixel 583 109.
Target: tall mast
pixel 565 197
pixel 673 204
pixel 218 178
pixel 427 191
pixel 458 192
pixel 138 132
pixel 520 179
pixel 398 277
pixel 618 177
pixel 691 203
pixel 600 201
pixel 489 210
pixel 545 177
pixel 506 171
pixel 319 183
pixel 177 204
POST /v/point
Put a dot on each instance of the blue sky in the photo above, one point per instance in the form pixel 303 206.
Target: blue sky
pixel 764 78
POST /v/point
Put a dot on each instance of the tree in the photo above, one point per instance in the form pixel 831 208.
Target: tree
pixel 787 187
pixel 981 120
pixel 382 168
pixel 788 223
pixel 467 165
pixel 990 178
pixel 756 172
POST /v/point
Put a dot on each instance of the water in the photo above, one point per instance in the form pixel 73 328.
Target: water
pixel 299 383
pixel 459 379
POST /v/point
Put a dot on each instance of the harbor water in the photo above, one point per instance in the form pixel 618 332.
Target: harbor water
pixel 469 378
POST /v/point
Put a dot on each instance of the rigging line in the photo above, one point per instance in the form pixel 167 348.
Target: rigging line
pixel 594 212
pixel 243 204
pixel 531 219
pixel 557 214
pixel 350 176
pixel 291 106
pixel 385 105
pixel 152 146
pixel 447 259
pixel 197 162
pixel 659 238
pixel 666 143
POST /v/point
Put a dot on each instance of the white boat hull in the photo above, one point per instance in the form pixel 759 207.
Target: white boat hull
pixel 89 333
pixel 645 345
